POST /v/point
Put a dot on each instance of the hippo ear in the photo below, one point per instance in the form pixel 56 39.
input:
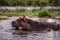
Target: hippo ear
pixel 24 17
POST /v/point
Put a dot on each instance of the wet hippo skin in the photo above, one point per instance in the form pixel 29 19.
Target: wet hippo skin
pixel 29 24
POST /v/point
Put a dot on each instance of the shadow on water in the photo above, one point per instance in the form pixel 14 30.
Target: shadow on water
pixel 6 33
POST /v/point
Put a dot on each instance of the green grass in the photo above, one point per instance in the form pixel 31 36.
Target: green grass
pixel 44 13
pixel 39 13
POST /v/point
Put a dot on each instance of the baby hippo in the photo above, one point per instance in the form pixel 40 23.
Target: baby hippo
pixel 31 25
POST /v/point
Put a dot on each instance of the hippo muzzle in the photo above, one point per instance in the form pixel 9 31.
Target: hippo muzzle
pixel 16 25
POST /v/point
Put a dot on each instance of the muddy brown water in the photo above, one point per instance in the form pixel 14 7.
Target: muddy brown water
pixel 7 34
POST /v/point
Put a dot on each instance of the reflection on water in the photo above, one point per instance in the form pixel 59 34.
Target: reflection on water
pixel 7 34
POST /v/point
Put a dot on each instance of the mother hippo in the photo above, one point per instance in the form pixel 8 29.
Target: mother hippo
pixel 29 24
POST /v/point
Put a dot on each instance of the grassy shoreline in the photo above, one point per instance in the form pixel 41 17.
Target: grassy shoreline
pixel 35 13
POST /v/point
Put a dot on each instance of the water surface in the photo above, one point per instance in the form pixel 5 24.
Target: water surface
pixel 7 34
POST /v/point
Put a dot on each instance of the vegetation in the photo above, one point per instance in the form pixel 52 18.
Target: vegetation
pixel 29 2
pixel 39 13
pixel 44 13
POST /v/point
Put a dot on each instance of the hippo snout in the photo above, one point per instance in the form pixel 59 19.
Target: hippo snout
pixel 15 24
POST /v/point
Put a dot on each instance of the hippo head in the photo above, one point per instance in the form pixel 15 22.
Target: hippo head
pixel 22 22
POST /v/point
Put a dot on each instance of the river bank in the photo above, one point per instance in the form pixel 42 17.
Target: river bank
pixel 38 13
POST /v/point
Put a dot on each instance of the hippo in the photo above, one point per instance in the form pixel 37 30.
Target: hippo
pixel 31 25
